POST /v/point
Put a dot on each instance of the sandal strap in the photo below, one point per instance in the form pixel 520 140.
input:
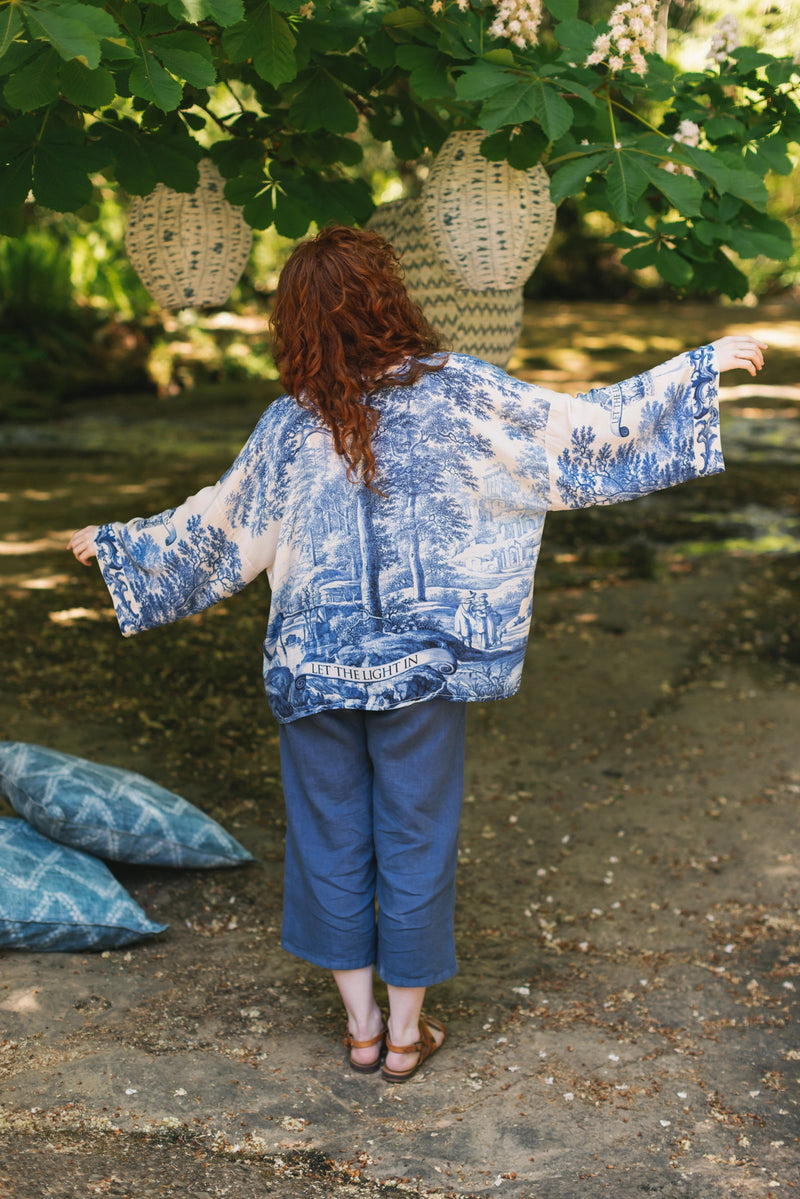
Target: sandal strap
pixel 417 1047
pixel 349 1043
pixel 426 1041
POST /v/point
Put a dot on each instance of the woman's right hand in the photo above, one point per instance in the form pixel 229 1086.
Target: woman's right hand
pixel 740 351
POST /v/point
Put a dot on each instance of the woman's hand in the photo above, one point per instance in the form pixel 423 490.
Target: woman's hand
pixel 740 351
pixel 82 544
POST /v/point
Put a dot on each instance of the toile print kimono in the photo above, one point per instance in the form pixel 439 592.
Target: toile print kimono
pixel 425 590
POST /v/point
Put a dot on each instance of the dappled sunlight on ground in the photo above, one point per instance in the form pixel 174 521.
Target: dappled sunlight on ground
pixel 578 346
pixel 68 616
pixel 21 1000
pixel 12 547
pixel 778 336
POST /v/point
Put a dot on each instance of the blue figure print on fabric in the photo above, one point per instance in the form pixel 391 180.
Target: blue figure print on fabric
pixel 423 587
pixel 674 431
pixel 161 519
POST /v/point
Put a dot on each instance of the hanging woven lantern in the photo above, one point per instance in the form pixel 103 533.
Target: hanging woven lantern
pixel 188 248
pixel 490 223
pixel 485 323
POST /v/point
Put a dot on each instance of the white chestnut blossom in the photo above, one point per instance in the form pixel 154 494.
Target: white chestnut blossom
pixel 437 6
pixel 725 40
pixel 631 37
pixel 517 20
pixel 687 134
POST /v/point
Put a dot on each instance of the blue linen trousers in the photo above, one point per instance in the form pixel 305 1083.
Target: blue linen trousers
pixel 373 802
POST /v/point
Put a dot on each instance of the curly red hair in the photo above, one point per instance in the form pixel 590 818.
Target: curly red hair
pixel 343 327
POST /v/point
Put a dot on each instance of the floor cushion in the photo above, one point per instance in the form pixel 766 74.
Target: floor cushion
pixel 110 812
pixel 56 898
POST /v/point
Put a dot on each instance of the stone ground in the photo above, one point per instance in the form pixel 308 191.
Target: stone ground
pixel 625 1017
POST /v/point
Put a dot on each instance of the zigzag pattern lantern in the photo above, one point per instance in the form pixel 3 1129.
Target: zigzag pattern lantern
pixel 485 323
pixel 490 223
pixel 188 248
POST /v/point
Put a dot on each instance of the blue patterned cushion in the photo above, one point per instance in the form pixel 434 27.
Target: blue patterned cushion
pixel 53 897
pixel 110 812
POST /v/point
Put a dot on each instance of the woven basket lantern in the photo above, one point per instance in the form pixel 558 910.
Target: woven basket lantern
pixel 490 223
pixel 485 323
pixel 188 248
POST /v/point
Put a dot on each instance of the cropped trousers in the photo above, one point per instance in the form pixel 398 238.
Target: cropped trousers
pixel 373 803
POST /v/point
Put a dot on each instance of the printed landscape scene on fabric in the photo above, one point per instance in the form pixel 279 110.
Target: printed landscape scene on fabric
pixel 426 591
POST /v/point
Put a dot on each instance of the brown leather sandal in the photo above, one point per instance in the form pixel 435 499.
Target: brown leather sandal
pixel 370 1067
pixel 426 1046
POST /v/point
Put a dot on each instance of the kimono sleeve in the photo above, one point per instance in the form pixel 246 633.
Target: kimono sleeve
pixel 652 431
pixel 185 559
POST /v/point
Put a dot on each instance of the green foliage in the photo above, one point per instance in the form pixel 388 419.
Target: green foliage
pixel 193 352
pixel 75 319
pixel 136 91
pixel 35 280
pixel 52 342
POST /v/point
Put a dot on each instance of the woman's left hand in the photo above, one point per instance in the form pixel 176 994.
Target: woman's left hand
pixel 82 544
pixel 740 351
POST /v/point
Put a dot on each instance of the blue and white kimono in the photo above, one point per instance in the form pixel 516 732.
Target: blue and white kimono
pixel 425 590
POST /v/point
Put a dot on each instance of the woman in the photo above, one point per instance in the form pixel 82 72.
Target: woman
pixel 388 481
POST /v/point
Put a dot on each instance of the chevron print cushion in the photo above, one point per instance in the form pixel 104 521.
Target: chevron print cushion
pixel 110 812
pixel 52 897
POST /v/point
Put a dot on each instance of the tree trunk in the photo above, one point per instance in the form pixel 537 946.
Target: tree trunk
pixel 414 560
pixel 370 568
